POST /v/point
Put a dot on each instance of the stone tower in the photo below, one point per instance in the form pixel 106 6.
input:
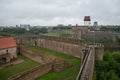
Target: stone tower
pixel 99 50
pixel 95 24
pixel 87 20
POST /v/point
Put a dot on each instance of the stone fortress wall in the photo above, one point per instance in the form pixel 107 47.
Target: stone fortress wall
pixel 72 47
pixel 67 46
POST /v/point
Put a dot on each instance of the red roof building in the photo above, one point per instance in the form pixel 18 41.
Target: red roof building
pixel 7 42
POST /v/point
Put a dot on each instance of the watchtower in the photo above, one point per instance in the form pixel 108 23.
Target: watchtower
pixel 87 20
pixel 99 50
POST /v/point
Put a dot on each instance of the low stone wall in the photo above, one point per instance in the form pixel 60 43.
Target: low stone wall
pixel 33 73
pixel 41 58
pixel 56 65
pixel 12 62
pixel 28 55
pixel 59 65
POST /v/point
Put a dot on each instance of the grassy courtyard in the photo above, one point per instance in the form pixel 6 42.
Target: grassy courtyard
pixel 69 74
pixel 55 34
pixel 18 68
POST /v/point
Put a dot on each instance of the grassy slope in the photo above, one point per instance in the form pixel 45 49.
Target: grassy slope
pixel 69 74
pixel 57 33
pixel 12 70
pixel 52 34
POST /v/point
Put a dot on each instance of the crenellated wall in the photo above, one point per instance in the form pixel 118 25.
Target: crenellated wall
pixel 67 46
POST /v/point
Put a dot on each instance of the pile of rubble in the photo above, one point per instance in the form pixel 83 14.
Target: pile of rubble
pixel 60 65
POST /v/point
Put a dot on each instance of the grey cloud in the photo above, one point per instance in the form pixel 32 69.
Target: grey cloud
pixel 53 12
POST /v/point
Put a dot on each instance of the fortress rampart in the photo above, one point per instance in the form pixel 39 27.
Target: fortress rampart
pixel 67 46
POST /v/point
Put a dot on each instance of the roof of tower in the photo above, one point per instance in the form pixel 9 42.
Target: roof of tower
pixel 87 18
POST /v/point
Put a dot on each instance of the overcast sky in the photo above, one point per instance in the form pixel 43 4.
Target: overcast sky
pixel 53 12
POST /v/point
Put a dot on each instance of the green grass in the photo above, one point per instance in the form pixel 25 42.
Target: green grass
pixel 69 74
pixel 59 33
pixel 36 50
pixel 52 34
pixel 18 68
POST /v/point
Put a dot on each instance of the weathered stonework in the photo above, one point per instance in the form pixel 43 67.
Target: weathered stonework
pixel 99 36
pixel 78 31
pixel 33 73
pixel 67 46
pixel 41 58
pixel 60 65
pixel 8 54
pixel 99 50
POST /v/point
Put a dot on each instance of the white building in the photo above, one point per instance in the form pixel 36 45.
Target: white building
pixel 26 26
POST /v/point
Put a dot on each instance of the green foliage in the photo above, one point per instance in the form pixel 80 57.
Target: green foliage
pixel 52 34
pixel 111 75
pixel 16 31
pixel 22 31
pixel 94 75
pixel 114 28
pixel 37 31
pixel 5 34
pixel 109 68
pixel 65 35
pixel 61 28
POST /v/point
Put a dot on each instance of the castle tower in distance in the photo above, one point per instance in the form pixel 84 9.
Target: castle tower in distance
pixel 87 20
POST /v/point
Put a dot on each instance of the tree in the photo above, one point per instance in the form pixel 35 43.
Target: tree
pixel 109 68
pixel 37 31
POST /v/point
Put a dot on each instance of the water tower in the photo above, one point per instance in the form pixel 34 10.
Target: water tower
pixel 87 20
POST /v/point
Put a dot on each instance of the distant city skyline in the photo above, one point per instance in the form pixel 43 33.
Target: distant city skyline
pixel 53 12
